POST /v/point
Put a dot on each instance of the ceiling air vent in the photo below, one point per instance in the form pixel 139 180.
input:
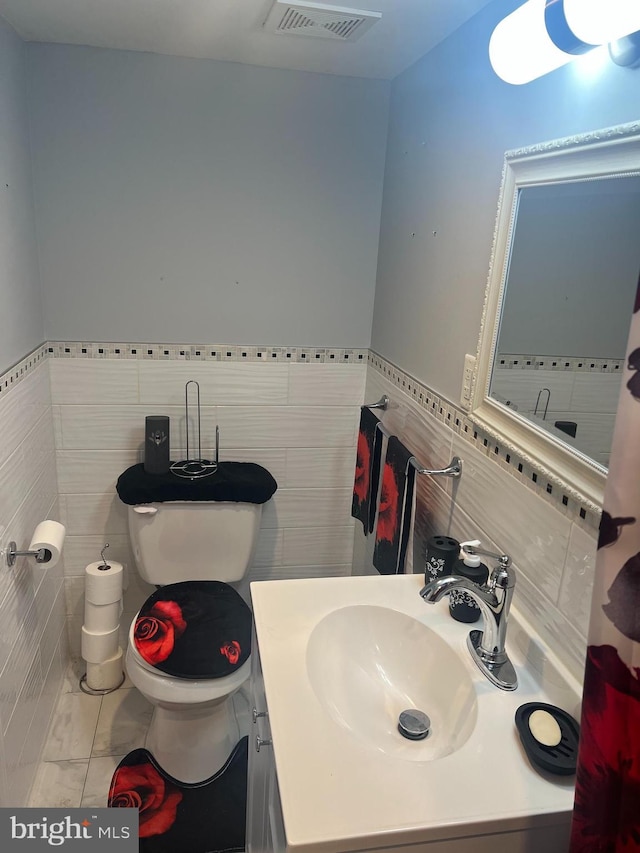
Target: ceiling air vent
pixel 319 20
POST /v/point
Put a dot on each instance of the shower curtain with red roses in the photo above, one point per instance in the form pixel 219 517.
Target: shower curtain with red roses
pixel 606 816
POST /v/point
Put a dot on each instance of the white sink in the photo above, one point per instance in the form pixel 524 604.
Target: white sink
pixel 341 658
pixel 367 664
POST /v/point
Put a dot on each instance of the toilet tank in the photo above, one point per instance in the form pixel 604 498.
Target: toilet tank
pixel 212 540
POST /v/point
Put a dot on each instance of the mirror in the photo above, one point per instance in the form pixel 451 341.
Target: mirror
pixel 562 281
pixel 573 269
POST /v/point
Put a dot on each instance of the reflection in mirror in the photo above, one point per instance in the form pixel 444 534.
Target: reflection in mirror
pixel 572 275
pixel 563 276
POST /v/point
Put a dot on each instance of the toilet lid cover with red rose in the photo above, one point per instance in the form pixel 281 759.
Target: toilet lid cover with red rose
pixel 194 629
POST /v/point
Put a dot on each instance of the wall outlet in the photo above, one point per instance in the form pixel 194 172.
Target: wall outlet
pixel 467 381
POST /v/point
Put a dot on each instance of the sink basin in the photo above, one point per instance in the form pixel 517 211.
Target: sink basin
pixel 367 664
pixel 341 658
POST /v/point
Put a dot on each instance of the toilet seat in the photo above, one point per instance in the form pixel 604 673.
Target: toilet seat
pixel 192 630
pixel 180 692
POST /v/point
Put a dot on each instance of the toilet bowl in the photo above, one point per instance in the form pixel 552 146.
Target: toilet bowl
pixel 193 729
pixel 188 653
pixel 189 645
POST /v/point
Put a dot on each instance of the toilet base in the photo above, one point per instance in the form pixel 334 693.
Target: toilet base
pixel 193 745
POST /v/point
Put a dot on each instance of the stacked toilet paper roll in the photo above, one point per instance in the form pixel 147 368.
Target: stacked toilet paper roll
pixel 102 609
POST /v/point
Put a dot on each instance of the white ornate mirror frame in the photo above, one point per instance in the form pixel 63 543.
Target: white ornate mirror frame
pixel 613 151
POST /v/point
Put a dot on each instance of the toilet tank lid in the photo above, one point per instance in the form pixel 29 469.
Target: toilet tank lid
pixel 240 482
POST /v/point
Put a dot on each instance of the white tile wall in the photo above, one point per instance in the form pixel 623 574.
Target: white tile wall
pixel 577 580
pixel 297 420
pixel 33 647
pixel 331 467
pixel 590 398
pixel 596 392
pixel 93 382
pixel 222 383
pixel 521 388
pixel 553 556
pixel 308 426
pixel 308 385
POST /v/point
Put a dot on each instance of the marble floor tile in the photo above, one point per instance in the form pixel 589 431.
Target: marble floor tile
pixel 96 786
pixel 73 727
pixel 122 726
pixel 59 784
pixel 72 675
pixel 76 668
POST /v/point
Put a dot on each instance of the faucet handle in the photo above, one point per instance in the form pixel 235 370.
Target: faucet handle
pixel 503 576
pixel 504 560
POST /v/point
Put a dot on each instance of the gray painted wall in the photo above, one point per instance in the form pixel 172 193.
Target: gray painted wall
pixel 201 201
pixel 451 120
pixel 19 282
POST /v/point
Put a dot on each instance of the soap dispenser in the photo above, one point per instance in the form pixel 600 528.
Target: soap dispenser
pixel 462 606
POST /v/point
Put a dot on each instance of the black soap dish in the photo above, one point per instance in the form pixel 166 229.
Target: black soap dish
pixel 560 759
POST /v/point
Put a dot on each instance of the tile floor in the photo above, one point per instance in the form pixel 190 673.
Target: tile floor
pixel 87 738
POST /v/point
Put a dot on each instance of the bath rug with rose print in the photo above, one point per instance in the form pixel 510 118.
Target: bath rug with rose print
pixel 194 629
pixel 175 817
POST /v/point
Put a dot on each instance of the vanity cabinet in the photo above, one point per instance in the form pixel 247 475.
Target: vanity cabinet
pixel 265 831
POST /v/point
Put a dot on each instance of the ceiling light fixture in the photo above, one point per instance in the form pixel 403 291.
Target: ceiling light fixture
pixel 543 35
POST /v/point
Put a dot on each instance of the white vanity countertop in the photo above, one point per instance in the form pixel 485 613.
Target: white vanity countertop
pixel 339 792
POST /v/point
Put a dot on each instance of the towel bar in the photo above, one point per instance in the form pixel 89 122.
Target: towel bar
pixel 382 403
pixel 453 469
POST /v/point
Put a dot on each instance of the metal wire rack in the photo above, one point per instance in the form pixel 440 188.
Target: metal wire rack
pixel 196 467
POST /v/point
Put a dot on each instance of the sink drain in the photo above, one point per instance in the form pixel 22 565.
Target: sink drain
pixel 414 724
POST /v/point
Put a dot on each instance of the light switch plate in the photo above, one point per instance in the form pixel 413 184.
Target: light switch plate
pixel 467 381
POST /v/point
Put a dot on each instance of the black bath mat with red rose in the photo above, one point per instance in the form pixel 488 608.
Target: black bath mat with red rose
pixel 194 629
pixel 175 817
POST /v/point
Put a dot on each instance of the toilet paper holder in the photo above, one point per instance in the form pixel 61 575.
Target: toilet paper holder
pixel 13 553
pixel 45 546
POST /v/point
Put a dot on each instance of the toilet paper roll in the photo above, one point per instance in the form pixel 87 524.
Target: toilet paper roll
pixel 103 585
pixel 48 535
pixel 106 675
pixel 100 618
pixel 99 647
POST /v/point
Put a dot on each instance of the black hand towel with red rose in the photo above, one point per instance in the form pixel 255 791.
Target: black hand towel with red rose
pixel 365 486
pixel 194 629
pixel 394 509
pixel 177 817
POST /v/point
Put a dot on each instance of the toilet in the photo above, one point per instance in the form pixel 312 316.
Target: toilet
pixel 189 645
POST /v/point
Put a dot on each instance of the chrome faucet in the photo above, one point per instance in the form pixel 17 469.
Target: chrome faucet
pixel 494 600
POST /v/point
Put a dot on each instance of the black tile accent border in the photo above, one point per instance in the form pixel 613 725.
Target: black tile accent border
pixel 453 417
pixel 12 377
pixel 509 361
pixel 456 418
pixel 202 352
